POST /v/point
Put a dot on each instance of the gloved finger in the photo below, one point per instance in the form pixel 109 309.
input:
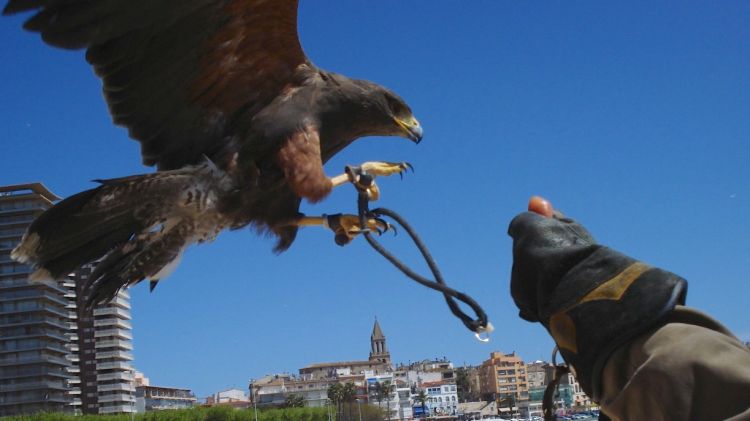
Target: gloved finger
pixel 541 206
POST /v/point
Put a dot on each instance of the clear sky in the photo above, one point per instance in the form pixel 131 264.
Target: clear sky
pixel 632 117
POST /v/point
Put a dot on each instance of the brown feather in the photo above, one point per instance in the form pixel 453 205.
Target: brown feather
pixel 299 159
pixel 252 56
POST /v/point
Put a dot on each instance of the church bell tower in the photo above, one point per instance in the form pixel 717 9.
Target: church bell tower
pixel 378 349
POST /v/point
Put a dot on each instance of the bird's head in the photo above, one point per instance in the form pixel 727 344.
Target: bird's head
pixel 395 116
pixel 376 110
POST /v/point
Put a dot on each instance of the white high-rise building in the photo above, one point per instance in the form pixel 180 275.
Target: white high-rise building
pixel 55 357
pixel 105 358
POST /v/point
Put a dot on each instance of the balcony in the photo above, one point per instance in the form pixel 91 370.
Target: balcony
pixel 124 376
pixel 43 359
pixel 35 385
pixel 121 302
pixel 56 310
pixel 118 397
pixel 113 322
pixel 35 372
pixel 114 366
pixel 36 333
pixel 121 387
pixel 122 355
pixel 113 333
pixel 114 343
pixel 116 409
pixel 36 295
pixel 112 311
pixel 39 347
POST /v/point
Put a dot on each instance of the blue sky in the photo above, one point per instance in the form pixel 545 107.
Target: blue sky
pixel 631 117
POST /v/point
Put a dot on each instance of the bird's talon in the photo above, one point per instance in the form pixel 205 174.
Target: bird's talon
pixel 346 227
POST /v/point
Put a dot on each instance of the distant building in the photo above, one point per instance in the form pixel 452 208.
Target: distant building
pixel 414 374
pixel 503 379
pixel 104 351
pixel 157 398
pixel 536 374
pixel 379 361
pixel 442 398
pixel 340 368
pixel 34 319
pixel 569 390
pixel 230 395
pixel 272 391
pixel 54 356
pixel 313 381
pixel 477 410
pixel 398 402
pixel 475 382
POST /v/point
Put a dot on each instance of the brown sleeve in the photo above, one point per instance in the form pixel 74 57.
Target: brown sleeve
pixel 690 368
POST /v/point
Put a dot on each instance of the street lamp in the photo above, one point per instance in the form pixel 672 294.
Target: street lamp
pixel 252 396
pixel 359 409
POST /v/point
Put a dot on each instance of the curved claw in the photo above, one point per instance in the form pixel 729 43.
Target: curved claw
pixel 406 166
pixel 380 222
pixel 386 226
pixel 346 227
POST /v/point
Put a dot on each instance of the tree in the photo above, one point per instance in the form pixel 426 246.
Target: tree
pixel 379 395
pixel 335 394
pixel 462 384
pixel 422 399
pixel 348 393
pixel 294 401
pixel 384 391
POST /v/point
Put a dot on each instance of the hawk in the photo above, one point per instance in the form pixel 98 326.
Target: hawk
pixel 226 105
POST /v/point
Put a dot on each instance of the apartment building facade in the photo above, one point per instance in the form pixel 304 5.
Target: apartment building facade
pixel 503 379
pixel 105 352
pixel 54 356
pixel 34 320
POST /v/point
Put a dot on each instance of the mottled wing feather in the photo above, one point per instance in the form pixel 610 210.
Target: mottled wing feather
pixel 181 75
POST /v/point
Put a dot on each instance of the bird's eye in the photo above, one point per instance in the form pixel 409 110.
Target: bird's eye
pixel 394 104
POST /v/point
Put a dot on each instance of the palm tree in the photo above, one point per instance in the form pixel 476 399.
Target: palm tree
pixel 387 388
pixel 349 391
pixel 335 393
pixel 379 394
pixel 422 399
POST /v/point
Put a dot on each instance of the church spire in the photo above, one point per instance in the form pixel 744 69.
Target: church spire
pixel 378 349
pixel 377 333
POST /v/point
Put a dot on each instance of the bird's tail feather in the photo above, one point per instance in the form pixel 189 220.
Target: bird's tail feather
pixel 75 231
pixel 135 227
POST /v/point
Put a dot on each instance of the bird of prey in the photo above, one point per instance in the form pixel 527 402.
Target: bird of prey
pixel 225 104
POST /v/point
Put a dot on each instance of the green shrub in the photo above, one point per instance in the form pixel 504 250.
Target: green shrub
pixel 216 413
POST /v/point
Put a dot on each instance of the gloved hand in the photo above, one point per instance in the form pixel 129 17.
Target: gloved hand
pixel 546 246
pixel 589 297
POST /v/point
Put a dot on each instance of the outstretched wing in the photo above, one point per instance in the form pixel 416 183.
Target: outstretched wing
pixel 181 75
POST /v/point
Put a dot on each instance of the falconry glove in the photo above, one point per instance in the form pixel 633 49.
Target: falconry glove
pixel 590 298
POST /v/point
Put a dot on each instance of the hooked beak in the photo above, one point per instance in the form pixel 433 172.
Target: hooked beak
pixel 411 128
